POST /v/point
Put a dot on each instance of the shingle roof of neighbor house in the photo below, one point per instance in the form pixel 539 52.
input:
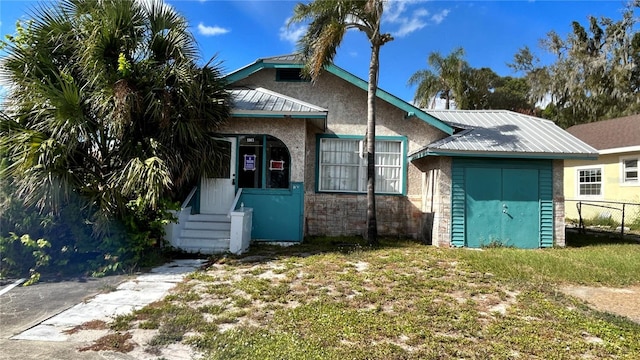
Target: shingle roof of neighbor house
pixel 609 134
pixel 503 133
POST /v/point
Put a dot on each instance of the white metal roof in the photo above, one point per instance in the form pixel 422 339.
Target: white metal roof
pixel 263 100
pixel 504 133
pixel 260 102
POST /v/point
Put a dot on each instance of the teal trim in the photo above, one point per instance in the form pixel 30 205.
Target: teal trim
pixel 405 162
pixel 391 99
pixel 263 163
pixel 347 76
pixel 515 155
pixel 257 66
pixel 278 115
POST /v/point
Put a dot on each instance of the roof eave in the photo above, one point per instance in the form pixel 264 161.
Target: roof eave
pixel 279 114
pixel 499 154
pixel 619 150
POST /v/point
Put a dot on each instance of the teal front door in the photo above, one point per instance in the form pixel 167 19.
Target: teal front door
pixel 502 207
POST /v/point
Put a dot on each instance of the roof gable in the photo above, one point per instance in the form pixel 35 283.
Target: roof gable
pixel 503 133
pixel 615 133
pixel 293 61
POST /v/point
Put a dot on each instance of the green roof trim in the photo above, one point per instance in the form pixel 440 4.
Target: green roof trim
pixel 347 76
pixel 276 115
pixel 501 155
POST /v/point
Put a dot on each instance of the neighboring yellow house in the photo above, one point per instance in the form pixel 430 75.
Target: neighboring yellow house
pixel 613 176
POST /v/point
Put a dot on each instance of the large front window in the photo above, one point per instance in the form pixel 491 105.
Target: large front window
pixel 590 182
pixel 343 166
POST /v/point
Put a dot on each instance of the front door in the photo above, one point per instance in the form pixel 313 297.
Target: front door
pixel 217 193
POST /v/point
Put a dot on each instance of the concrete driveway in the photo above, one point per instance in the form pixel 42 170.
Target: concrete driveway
pixel 24 307
pixel 33 319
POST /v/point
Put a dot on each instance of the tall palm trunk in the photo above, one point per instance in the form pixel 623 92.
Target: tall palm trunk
pixel 374 66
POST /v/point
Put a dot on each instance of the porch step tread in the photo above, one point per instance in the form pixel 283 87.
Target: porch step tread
pixel 222 218
pixel 204 246
pixel 206 233
pixel 207 225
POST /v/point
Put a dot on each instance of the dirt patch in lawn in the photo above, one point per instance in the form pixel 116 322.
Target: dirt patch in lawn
pixel 619 301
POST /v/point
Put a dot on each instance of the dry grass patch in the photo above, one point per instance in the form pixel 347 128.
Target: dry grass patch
pixel 119 342
pixel 400 301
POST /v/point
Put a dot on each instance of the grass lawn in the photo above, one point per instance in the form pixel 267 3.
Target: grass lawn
pixel 403 300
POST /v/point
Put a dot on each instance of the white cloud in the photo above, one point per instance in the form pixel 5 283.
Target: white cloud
pixel 211 30
pixel 439 17
pixel 398 14
pixel 292 33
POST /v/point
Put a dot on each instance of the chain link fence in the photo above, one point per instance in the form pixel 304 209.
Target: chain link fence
pixel 614 216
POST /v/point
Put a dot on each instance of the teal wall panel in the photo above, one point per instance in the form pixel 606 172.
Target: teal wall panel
pixel 277 213
pixel 502 200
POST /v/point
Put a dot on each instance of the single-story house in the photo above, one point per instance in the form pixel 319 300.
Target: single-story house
pixel 613 176
pixel 450 178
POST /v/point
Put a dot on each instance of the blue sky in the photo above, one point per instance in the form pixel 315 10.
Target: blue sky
pixel 491 32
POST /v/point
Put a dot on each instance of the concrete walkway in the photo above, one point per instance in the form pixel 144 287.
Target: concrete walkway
pixel 130 295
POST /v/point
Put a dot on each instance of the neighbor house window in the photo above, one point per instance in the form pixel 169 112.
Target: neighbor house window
pixel 590 182
pixel 630 170
pixel 343 166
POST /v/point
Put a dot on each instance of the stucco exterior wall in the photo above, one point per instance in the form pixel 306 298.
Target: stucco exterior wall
pixel 347 105
pixel 613 188
pixel 345 214
pixel 289 131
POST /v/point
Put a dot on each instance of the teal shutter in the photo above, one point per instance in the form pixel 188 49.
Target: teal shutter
pixel 458 201
pixel 546 207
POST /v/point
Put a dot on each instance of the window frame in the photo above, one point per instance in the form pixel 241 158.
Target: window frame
pixel 362 166
pixel 623 171
pixel 262 163
pixel 578 183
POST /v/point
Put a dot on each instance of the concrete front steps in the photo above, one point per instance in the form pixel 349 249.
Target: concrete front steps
pixel 206 234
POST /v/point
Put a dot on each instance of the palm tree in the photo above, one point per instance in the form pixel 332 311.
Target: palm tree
pixel 108 104
pixel 444 81
pixel 329 20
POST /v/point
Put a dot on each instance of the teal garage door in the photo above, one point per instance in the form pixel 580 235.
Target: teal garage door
pixel 502 202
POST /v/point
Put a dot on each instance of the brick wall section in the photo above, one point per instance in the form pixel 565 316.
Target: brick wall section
pixel 442 216
pixel 558 203
pixel 346 214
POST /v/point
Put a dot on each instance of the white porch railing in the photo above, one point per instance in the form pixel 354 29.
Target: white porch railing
pixel 172 230
pixel 234 204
